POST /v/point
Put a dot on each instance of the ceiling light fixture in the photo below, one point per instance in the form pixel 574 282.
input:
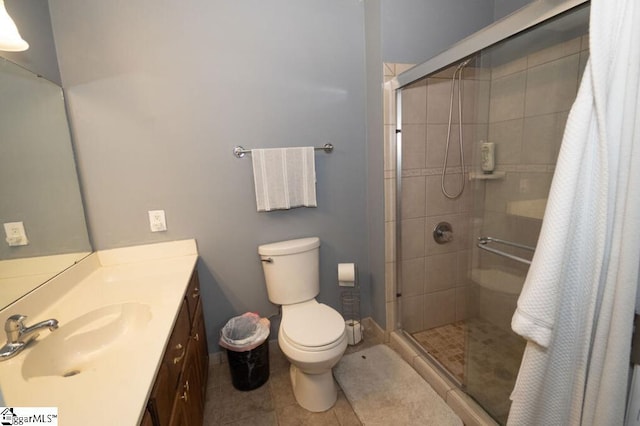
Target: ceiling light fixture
pixel 10 39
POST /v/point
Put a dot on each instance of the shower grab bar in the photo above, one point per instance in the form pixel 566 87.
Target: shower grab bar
pixel 483 241
pixel 240 152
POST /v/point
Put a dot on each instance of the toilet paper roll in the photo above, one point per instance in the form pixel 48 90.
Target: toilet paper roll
pixel 354 331
pixel 347 274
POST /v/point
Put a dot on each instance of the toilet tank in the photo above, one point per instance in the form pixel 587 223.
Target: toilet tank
pixel 291 270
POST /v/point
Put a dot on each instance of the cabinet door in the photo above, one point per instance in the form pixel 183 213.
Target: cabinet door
pixel 188 407
pixel 147 420
pixel 199 337
pixel 161 401
pixel 165 387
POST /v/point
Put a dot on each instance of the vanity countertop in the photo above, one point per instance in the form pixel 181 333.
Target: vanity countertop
pixel 99 296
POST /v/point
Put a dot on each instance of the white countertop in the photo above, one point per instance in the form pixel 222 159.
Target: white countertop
pixel 114 386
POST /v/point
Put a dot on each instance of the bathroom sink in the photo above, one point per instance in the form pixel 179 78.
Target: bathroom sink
pixel 81 343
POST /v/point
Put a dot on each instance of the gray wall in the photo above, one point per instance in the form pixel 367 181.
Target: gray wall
pixel 416 30
pixel 375 159
pixel 33 22
pixel 160 94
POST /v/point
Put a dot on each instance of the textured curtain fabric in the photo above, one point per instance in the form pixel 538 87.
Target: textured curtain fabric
pixel 577 305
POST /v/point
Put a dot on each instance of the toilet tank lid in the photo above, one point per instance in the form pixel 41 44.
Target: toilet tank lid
pixel 289 247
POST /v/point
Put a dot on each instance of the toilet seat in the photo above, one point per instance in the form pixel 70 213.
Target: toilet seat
pixel 312 326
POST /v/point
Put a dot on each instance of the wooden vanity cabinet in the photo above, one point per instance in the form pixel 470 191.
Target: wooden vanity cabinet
pixel 178 394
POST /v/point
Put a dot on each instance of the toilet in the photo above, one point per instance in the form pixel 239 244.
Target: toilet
pixel 312 335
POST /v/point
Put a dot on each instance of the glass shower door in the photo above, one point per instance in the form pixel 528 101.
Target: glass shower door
pixel 534 79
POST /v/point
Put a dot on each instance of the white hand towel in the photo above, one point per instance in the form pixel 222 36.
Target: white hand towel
pixel 284 178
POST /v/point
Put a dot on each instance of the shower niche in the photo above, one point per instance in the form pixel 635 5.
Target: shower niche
pixel 457 299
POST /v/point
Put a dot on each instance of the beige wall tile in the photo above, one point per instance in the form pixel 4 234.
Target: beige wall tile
pixel 534 186
pixel 540 139
pixel 414 103
pixel 413 197
pixel 391 318
pixel 506 68
pixel 437 204
pixel 413 277
pixel 390 281
pixel 464 263
pixel 439 308
pixel 438 99
pixel 389 147
pixel 390 241
pixel 584 45
pixel 507 97
pixel 412 238
pixel 464 303
pixel 500 191
pixel 412 308
pixel 584 56
pixel 400 68
pixel 388 69
pixel 389 99
pixel 554 52
pixel 552 87
pixel 389 199
pixel 437 142
pixel 507 135
pixel 475 102
pixel 441 272
pixel 413 146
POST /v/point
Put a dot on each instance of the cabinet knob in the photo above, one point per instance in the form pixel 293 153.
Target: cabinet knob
pixel 196 293
pixel 179 357
pixel 196 337
pixel 185 394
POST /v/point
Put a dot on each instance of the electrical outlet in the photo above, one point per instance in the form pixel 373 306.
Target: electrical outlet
pixel 16 236
pixel 157 221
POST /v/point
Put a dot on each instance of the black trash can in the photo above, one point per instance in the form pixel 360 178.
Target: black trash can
pixel 245 338
pixel 249 369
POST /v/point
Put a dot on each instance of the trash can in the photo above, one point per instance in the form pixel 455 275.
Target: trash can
pixel 245 338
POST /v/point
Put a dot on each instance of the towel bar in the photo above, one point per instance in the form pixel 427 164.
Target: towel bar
pixel 483 241
pixel 240 152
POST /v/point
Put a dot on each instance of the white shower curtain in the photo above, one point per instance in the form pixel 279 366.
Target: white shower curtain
pixel 577 305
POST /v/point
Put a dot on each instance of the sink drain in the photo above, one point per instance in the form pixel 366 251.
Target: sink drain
pixel 71 373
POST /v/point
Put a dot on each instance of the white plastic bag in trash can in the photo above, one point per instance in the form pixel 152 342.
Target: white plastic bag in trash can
pixel 245 332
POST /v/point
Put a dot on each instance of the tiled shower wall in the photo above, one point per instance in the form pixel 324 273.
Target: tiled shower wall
pixel 521 105
pixel 435 287
pixel 529 104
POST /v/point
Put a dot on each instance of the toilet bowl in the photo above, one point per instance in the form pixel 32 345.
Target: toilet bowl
pixel 312 335
pixel 313 338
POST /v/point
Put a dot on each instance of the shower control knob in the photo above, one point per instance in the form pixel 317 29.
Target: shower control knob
pixel 443 233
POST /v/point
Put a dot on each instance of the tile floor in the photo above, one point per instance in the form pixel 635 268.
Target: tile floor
pixel 273 403
pixel 482 356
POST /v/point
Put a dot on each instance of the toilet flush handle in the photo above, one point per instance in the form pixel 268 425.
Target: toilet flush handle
pixel 268 260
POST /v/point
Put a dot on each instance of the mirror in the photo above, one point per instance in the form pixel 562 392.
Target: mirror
pixel 38 184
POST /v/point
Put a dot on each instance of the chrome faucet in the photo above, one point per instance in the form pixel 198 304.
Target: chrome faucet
pixel 19 336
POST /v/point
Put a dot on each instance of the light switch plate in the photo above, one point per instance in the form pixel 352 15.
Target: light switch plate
pixel 157 221
pixel 16 235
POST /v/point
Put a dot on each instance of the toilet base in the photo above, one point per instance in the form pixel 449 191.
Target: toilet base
pixel 314 392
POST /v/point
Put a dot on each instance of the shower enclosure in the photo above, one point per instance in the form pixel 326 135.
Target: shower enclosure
pixel 462 257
